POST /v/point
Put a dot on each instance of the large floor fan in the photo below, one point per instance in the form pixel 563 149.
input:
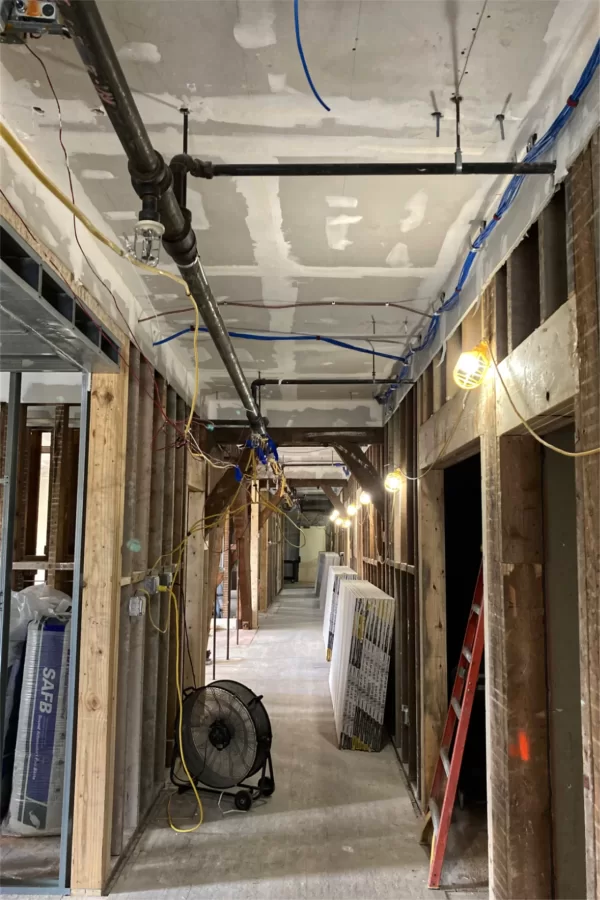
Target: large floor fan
pixel 226 739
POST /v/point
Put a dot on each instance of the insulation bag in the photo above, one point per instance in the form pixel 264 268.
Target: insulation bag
pixel 37 788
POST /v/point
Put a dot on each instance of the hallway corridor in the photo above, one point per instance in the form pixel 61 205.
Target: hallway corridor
pixel 340 824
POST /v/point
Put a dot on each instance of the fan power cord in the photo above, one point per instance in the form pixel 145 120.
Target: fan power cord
pixel 164 589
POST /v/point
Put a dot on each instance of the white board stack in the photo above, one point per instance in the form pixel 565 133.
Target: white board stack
pixel 335 575
pixel 360 664
pixel 325 560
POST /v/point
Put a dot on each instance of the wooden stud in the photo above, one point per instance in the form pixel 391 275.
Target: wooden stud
pixel 194 655
pixel 179 530
pixel 166 449
pixel 125 624
pixel 432 615
pixel 138 560
pixel 254 550
pixel 155 603
pixel 453 351
pixel 96 714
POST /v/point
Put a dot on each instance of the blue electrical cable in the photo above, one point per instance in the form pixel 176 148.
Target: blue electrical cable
pixel 545 143
pixel 285 337
pixel 302 56
pixel 508 197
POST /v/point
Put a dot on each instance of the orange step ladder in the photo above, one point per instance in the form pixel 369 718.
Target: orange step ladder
pixel 441 800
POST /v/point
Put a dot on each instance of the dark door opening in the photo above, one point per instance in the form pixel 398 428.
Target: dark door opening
pixel 467 847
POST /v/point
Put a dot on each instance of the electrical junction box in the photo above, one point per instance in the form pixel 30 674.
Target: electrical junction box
pixel 151 583
pixel 19 18
pixel 137 605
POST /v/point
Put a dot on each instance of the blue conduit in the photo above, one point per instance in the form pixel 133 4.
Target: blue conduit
pixel 508 198
pixel 302 56
pixel 279 337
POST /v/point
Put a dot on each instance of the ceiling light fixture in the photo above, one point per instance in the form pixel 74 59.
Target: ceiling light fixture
pixel 393 481
pixel 351 509
pixel 472 366
pixel 365 498
pixel 334 516
pixel 346 523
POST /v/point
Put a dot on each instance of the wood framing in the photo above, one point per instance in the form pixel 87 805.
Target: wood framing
pixel 196 612
pixel 254 550
pixel 432 608
pixel 93 795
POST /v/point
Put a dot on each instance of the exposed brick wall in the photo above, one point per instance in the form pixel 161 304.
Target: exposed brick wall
pixel 584 235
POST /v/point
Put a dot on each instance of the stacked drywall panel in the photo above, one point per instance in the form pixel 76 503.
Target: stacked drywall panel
pixel 360 664
pixel 325 561
pixel 334 576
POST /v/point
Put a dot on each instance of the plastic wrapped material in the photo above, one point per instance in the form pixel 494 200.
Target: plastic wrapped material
pixel 329 559
pixel 36 801
pixel 360 664
pixel 16 653
pixel 334 576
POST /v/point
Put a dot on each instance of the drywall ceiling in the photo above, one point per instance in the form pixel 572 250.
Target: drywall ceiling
pixel 383 67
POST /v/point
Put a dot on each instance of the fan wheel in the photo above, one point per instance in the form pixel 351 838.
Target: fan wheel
pixel 243 800
pixel 266 786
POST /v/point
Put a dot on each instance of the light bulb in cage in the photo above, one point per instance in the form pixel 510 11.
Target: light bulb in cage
pixel 471 368
pixel 334 516
pixel 393 481
pixel 351 509
pixel 147 237
pixel 365 498
pixel 346 523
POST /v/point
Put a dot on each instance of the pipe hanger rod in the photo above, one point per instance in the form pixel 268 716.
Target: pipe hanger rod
pixel 152 178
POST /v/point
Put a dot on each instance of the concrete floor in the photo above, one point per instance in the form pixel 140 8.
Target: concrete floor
pixel 340 824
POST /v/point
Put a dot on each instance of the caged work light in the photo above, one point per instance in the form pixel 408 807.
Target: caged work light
pixel 393 481
pixel 351 509
pixel 472 366
pixel 365 498
pixel 334 516
pixel 346 523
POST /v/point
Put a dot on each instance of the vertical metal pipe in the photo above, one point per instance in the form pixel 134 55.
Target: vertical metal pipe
pixel 66 834
pixel 6 551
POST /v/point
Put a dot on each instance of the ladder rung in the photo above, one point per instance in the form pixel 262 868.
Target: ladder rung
pixel 467 654
pixel 435 815
pixel 476 608
pixel 456 707
pixel 445 760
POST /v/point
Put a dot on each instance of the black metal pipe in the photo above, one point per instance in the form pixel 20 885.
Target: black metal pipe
pixel 260 382
pixel 150 175
pixel 200 169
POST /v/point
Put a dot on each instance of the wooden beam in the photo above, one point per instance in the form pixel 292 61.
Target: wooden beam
pixel 96 712
pixel 241 527
pixel 365 473
pixel 432 616
pixel 179 531
pixel 166 449
pixel 333 499
pixel 254 550
pixel 267 511
pixel 195 598
pixel 125 622
pixel 155 603
pixel 298 437
pixel 225 489
pixel 135 540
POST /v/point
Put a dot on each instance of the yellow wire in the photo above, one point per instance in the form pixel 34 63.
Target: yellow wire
pixel 571 453
pixel 174 827
pixel 152 622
